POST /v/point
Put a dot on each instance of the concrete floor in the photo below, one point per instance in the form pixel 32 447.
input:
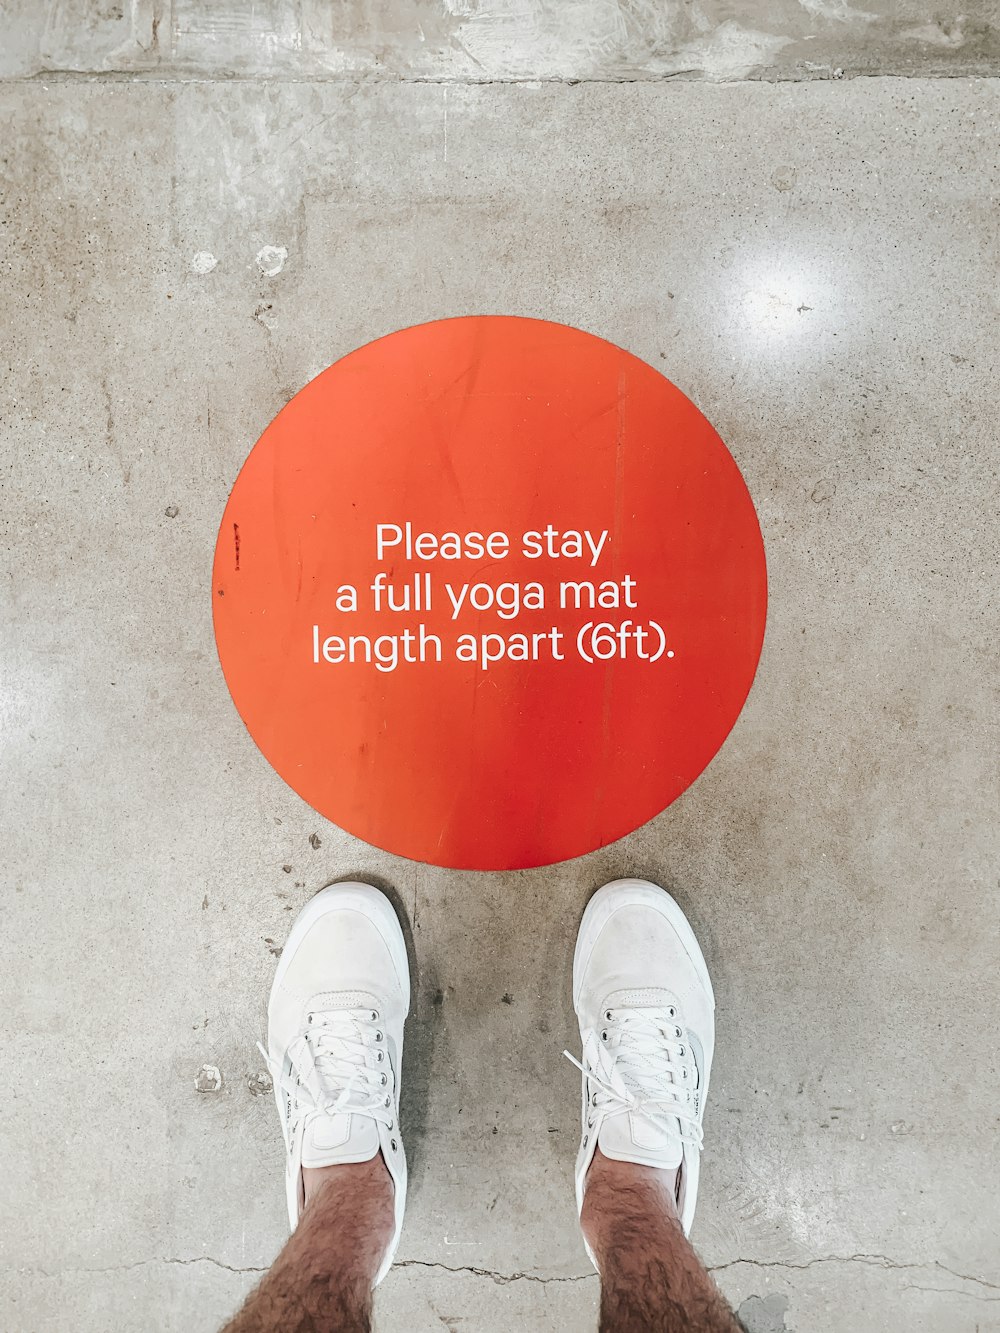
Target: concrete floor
pixel 481 41
pixel 815 264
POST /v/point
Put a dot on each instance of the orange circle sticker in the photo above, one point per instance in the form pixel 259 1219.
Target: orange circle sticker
pixel 489 593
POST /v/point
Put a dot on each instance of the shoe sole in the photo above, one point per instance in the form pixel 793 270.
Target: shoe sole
pixel 634 893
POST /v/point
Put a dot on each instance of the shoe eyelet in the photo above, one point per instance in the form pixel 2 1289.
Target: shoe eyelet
pixel 393 1144
pixel 671 1012
pixel 590 1123
pixel 378 1036
pixel 593 1100
pixel 679 1032
pixel 684 1073
pixel 586 1139
pixel 391 1124
pixel 380 1056
pixel 388 1102
pixel 604 1035
pixel 385 1079
pixel 374 1015
pixel 680 1050
pixel 607 1014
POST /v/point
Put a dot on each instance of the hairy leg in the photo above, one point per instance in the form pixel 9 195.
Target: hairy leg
pixel 651 1279
pixel 322 1280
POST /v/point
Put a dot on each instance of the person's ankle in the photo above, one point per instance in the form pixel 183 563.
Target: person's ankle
pixel 350 1206
pixel 372 1175
pixel 661 1180
pixel 611 1185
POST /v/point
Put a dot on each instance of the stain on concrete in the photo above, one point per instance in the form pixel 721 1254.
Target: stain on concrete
pixel 764 1314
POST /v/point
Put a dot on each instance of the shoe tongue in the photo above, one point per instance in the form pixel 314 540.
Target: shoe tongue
pixel 329 1140
pixel 626 1136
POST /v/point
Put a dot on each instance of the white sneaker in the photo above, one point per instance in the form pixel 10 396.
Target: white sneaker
pixel 644 1001
pixel 335 1039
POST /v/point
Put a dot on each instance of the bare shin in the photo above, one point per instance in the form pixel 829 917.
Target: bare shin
pixel 322 1280
pixel 651 1279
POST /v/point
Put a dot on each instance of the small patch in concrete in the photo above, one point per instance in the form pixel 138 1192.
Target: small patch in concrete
pixel 271 260
pixel 784 178
pixel 287 869
pixel 764 1314
pixel 314 841
pixel 506 998
pixel 837 10
pixel 208 1079
pixel 273 949
pixel 203 262
pixel 259 1084
pixel 823 491
pixel 171 511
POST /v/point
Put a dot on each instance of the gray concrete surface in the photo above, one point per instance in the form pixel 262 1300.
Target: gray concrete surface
pixel 485 40
pixel 815 264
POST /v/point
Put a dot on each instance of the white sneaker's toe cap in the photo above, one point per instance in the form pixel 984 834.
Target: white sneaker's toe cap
pixel 346 941
pixel 635 941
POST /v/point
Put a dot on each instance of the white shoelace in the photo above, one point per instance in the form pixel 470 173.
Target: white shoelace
pixel 340 1067
pixel 639 1061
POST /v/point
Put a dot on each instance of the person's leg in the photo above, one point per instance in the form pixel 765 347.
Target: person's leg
pixel 322 1280
pixel 644 1000
pixel 651 1279
pixel 335 1039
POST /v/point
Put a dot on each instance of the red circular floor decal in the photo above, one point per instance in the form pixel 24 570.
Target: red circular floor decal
pixel 489 592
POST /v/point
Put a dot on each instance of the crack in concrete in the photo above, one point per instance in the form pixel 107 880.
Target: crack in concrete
pixel 141 1263
pixel 504 1279
pixel 511 81
pixel 501 1279
pixel 875 1260
pixel 951 1291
